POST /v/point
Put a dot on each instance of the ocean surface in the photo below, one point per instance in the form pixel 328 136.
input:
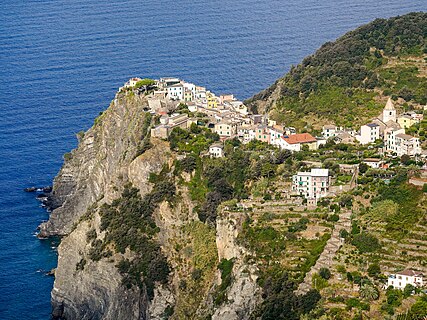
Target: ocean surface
pixel 62 60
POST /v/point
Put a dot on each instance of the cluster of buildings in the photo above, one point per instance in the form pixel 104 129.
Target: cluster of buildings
pixel 388 127
pixel 228 117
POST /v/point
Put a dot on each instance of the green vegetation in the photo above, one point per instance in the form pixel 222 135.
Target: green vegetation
pixel 226 268
pixel 68 156
pixel 280 301
pixel 144 143
pixel 198 248
pixel 325 273
pixel 336 82
pixel 144 82
pixel 318 282
pixel 128 223
pixel 369 292
pixel 397 206
pixel 366 242
pixel 194 140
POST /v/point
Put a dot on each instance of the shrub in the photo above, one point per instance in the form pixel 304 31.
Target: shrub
pixel 81 264
pixel 366 242
pixel 374 270
pixel 226 268
pixel 333 217
pixel 408 290
pixel 318 282
pixel 280 301
pixel 325 273
pixel 68 156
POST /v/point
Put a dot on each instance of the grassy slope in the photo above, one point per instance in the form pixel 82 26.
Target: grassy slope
pixel 349 80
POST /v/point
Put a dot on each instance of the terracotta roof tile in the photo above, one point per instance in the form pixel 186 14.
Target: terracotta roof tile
pixel 299 138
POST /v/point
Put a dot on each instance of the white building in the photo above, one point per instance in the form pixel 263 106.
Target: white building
pixel 132 82
pixel 295 142
pixel 216 150
pixel 176 92
pixel 239 107
pixel 390 139
pixel 167 82
pixel 313 184
pixel 389 112
pixel 369 133
pixel 373 162
pixel 329 131
pixel 276 132
pixel 399 280
pixel 406 144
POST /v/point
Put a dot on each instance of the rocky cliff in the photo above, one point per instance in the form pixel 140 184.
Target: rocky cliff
pixel 88 286
pixel 100 164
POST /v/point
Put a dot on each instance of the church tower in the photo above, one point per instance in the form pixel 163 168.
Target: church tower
pixel 389 112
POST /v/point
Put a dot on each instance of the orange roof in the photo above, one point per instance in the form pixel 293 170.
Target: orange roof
pixel 299 138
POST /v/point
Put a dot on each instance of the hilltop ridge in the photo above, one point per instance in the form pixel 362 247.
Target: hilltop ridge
pixel 347 81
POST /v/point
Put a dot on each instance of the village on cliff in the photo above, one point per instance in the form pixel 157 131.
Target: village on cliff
pixel 230 118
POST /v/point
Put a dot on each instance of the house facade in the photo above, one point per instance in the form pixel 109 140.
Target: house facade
pixel 176 92
pixel 329 131
pixel 369 133
pixel 390 139
pixel 406 144
pixel 216 150
pixel 373 162
pixel 399 280
pixel 224 129
pixel 313 184
pixel 406 121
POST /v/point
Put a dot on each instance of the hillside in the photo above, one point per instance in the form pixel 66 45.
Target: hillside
pixel 349 80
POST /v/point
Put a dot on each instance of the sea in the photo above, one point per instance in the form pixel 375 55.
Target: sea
pixel 61 62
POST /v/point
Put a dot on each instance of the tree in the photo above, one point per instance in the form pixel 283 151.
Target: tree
pixel 344 233
pixel 188 163
pixel 374 270
pixel 405 159
pixel 419 309
pixel 408 290
pixel 369 292
pixel 363 167
pixel 144 82
pixel 346 200
pixel 325 273
pixel 366 242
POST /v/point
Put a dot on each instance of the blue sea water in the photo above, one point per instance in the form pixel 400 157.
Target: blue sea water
pixel 62 60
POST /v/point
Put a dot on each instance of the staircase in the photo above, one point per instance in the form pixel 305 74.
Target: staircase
pixel 326 257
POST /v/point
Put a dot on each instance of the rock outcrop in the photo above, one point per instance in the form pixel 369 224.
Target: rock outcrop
pixel 244 293
pixel 100 164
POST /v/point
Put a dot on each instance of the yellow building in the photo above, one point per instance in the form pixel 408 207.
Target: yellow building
pixel 188 95
pixel 212 100
pixel 406 121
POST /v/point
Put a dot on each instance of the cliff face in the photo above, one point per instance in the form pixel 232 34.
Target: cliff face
pixel 95 174
pixel 244 293
pixel 99 164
